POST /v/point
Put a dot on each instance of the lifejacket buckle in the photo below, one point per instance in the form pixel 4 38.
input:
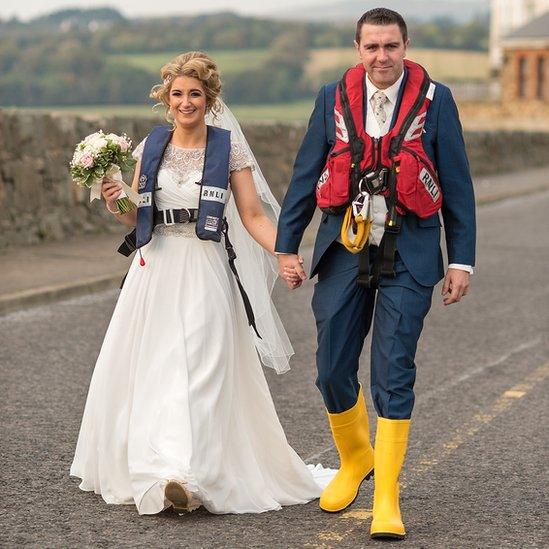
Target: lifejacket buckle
pixel 165 214
pixel 374 182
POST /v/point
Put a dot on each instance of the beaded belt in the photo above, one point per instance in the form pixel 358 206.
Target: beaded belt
pixel 186 230
pixel 179 222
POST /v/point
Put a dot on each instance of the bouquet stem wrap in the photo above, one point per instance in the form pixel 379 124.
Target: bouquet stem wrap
pixel 127 199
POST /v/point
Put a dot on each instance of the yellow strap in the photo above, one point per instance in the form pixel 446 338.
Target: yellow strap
pixel 363 230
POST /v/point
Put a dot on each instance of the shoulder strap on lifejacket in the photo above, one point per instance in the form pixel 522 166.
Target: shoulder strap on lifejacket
pixel 214 185
pixel 155 145
pixel 356 144
pixel 350 112
pixel 418 83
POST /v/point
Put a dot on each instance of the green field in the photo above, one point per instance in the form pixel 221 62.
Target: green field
pixel 443 65
pixel 230 62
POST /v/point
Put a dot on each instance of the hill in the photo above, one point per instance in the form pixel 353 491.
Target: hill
pixel 88 57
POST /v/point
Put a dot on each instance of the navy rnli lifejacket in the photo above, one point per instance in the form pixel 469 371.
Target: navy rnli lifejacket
pixel 395 165
pixel 214 193
pixel 214 189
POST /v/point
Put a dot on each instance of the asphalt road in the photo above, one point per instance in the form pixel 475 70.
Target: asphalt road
pixel 475 474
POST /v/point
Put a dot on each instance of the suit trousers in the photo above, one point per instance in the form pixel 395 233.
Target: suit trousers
pixel 344 312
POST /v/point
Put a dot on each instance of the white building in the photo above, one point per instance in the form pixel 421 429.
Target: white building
pixel 506 16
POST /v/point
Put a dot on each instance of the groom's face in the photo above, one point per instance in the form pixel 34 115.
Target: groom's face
pixel 382 51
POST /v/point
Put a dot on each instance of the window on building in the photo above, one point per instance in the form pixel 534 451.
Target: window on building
pixel 541 78
pixel 521 77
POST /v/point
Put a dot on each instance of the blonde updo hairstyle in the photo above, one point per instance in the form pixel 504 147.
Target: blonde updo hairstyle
pixel 195 64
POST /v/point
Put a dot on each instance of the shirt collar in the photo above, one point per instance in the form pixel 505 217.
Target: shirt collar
pixel 391 92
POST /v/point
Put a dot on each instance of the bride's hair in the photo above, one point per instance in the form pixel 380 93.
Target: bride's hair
pixel 195 64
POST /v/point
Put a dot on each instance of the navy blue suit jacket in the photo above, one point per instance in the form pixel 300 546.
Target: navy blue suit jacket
pixel 419 241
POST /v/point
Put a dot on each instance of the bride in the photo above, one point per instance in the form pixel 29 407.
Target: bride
pixel 178 412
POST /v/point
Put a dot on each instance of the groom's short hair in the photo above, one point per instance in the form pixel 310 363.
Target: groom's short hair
pixel 382 16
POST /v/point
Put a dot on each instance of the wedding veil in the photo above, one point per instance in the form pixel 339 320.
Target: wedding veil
pixel 257 269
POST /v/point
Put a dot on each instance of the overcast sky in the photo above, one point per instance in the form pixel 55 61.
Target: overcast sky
pixel 27 9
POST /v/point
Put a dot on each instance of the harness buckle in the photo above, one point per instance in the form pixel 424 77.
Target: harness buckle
pixel 185 215
pixel 374 182
pixel 165 214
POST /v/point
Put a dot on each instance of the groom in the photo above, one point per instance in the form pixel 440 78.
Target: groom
pixel 347 301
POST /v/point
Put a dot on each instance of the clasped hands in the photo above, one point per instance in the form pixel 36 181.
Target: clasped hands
pixel 290 268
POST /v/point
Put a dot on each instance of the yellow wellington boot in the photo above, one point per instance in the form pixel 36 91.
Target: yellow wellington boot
pixel 390 449
pixel 351 434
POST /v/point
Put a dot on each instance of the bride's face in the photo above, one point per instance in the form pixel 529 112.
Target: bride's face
pixel 187 101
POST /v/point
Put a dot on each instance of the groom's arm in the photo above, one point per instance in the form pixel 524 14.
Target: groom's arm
pixel 458 206
pixel 300 201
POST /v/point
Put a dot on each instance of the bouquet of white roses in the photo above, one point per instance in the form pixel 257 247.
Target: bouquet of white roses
pixel 100 155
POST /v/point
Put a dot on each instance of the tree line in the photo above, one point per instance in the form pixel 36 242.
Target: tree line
pixel 62 59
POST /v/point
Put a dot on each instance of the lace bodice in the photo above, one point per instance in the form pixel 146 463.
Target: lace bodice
pixel 179 180
pixel 179 159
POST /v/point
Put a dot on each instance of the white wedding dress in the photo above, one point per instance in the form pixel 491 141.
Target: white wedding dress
pixel 178 391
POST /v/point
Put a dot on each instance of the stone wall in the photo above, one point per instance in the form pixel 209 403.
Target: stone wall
pixel 39 202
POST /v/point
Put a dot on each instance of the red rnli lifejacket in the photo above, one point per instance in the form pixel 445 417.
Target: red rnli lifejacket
pixel 398 158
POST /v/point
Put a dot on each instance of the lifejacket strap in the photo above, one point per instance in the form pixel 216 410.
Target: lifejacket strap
pixel 383 264
pixel 128 246
pixel 364 278
pixel 356 144
pixel 398 140
pixel 231 254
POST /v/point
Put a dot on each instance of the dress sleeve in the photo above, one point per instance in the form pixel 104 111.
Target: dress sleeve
pixel 138 151
pixel 240 158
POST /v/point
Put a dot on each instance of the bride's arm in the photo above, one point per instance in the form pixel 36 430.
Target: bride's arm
pixel 250 210
pixel 111 189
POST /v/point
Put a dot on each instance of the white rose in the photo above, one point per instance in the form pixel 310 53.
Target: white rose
pixel 92 137
pixel 99 143
pixel 77 156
